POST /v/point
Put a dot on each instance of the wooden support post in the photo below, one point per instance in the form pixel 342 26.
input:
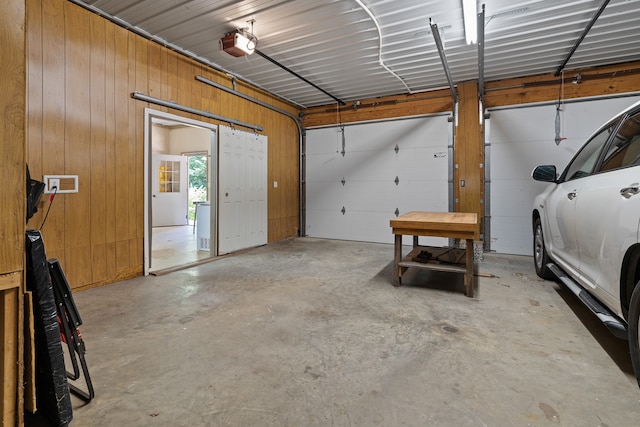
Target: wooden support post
pixel 469 153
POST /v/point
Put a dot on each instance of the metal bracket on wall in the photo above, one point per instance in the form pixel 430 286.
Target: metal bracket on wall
pixel 343 210
pixel 396 149
pixel 397 180
pixel 343 181
pixel 397 212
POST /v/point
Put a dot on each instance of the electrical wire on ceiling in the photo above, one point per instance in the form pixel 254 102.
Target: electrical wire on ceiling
pixel 380 61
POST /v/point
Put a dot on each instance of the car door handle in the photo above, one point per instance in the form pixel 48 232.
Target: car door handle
pixel 571 195
pixel 630 191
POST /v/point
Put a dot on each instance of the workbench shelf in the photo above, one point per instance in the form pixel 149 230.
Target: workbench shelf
pixel 439 262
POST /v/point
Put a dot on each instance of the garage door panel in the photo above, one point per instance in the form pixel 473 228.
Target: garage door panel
pixel 510 235
pixel 326 195
pixel 353 225
pixel 324 141
pixel 423 195
pixel 361 198
pixel 517 159
pixel 324 167
pixel 367 227
pixel 521 139
pixel 326 223
pixel 428 133
pixel 416 163
pixel 369 167
pixel 522 193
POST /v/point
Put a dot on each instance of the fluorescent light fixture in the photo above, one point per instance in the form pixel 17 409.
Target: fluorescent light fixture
pixel 469 11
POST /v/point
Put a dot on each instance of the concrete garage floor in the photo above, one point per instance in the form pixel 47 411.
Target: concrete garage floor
pixel 310 332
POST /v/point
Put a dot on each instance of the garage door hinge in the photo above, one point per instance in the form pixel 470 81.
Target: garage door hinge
pixel 397 180
pixel 343 181
pixel 343 210
pixel 396 149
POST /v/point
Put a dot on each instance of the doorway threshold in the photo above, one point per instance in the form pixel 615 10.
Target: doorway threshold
pixel 167 270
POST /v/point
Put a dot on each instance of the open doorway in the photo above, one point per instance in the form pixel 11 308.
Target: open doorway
pixel 180 164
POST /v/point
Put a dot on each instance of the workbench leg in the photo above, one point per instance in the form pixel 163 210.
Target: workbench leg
pixel 397 257
pixel 415 241
pixel 469 276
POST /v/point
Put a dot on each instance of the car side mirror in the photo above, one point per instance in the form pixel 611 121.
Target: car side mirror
pixel 545 173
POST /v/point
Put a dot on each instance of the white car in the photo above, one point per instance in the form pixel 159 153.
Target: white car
pixel 586 226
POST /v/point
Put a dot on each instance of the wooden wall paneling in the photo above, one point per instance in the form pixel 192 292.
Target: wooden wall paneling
pixel 34 99
pixel 143 85
pixel 93 128
pixel 9 347
pixel 111 189
pixel 12 135
pixel 283 201
pixel 172 76
pixel 210 94
pixel 155 70
pixel 183 95
pixel 165 91
pixel 123 102
pixel 78 146
pixel 98 110
pixel 196 88
pixel 12 199
pixel 130 192
pixel 53 120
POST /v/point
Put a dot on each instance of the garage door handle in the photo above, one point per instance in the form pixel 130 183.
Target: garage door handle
pixel 630 191
pixel 571 195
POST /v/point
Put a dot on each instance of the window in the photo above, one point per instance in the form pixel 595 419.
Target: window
pixel 625 148
pixel 584 162
pixel 169 177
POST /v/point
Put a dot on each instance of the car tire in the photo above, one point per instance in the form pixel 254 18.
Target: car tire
pixel 540 257
pixel 634 340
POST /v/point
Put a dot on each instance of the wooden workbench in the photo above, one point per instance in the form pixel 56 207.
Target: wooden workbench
pixel 456 225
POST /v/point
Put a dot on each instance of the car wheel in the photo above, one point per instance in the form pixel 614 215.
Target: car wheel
pixel 634 340
pixel 540 252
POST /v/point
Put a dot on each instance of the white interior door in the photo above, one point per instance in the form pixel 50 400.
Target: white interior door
pixel 243 190
pixel 169 190
pixel 256 186
pixel 355 195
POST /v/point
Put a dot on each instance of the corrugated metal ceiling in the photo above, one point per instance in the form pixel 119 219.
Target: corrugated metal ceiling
pixel 336 45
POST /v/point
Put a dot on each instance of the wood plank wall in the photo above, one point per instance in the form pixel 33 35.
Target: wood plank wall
pixel 12 200
pixel 81 71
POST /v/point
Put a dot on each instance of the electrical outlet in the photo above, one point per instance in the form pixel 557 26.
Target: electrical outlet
pixel 63 184
pixel 53 185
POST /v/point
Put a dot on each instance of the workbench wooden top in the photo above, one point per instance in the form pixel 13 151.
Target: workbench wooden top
pixel 453 224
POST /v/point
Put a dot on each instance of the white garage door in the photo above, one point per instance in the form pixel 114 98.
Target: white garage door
pixel 353 196
pixel 522 138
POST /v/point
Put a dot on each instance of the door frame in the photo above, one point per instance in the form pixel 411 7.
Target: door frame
pixel 149 115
